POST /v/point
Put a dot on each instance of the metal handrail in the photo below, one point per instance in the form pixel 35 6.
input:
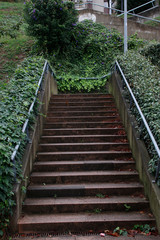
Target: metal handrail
pixel 117 10
pixel 94 78
pixel 147 18
pixel 137 7
pixel 25 126
pixel 143 119
pixel 81 78
pixel 91 78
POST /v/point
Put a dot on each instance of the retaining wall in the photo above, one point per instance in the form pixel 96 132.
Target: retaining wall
pixel 111 21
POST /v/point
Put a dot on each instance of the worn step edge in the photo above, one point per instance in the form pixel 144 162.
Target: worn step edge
pixel 82 173
pixel 83 118
pixel 83 165
pixel 86 108
pixel 65 125
pixel 85 144
pixel 81 221
pixel 85 186
pixel 84 200
pixel 85 176
pixel 85 155
pixel 83 138
pixel 48 205
pixel 83 95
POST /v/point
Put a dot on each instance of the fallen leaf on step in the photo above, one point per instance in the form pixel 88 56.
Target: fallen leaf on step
pixel 150 215
pixel 113 234
pixel 102 234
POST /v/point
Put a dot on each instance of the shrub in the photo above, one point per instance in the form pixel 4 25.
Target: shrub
pixel 15 100
pixel 152 52
pixel 94 49
pixel 51 22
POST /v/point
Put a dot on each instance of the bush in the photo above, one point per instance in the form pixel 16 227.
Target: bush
pixel 152 52
pixel 15 100
pixel 143 78
pixel 51 22
pixel 94 50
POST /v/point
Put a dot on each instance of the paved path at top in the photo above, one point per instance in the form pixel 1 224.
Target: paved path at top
pixel 93 237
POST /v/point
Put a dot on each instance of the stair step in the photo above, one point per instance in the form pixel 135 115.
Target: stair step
pixel 83 165
pixel 83 131
pixel 84 189
pixel 101 146
pixel 106 113
pixel 104 119
pixel 113 123
pixel 81 96
pixel 78 103
pixel 81 221
pixel 85 204
pixel 81 108
pixel 90 155
pixel 84 138
pixel 85 176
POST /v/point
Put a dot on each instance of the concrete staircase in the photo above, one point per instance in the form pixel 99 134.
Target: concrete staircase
pixel 84 177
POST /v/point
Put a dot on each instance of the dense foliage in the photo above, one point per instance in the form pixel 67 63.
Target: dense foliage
pixel 132 4
pixel 152 51
pixel 144 80
pixel 15 100
pixel 94 49
pixel 51 22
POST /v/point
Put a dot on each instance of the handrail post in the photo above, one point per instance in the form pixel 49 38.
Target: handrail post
pixel 125 27
pixel 27 134
pixel 141 129
pixel 157 172
pixel 131 103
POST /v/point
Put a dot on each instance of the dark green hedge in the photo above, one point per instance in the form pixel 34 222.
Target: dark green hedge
pixel 152 52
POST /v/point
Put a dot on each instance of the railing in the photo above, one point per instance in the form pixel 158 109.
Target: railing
pixel 117 10
pixel 133 10
pixel 143 120
pixel 91 78
pixel 25 126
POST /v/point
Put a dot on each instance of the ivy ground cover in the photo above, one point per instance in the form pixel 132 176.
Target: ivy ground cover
pixel 15 100
pixel 143 78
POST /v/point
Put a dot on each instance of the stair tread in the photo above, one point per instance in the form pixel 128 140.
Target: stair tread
pixel 84 217
pixel 84 200
pixel 85 186
pixel 81 152
pixel 91 112
pixel 83 173
pixel 83 162
pixel 81 94
pixel 76 129
pixel 83 136
pixel 86 143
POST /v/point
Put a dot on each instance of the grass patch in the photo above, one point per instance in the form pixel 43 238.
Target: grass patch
pixel 152 23
pixel 14 44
